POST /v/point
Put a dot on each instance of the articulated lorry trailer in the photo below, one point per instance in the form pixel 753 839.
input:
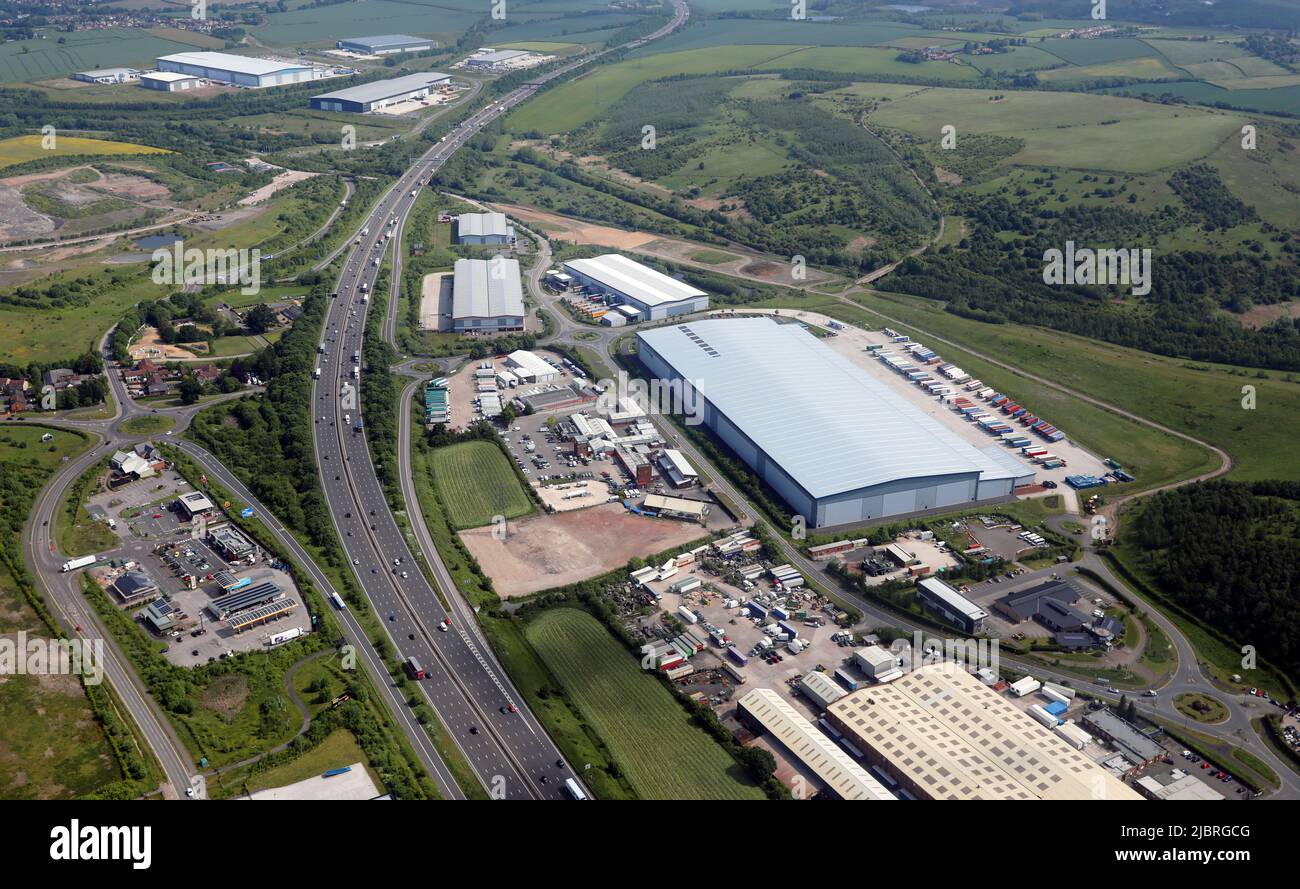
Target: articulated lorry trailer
pixel 74 564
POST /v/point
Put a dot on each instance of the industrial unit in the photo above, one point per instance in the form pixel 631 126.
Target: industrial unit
pixel 170 81
pixel 486 296
pixel 380 94
pixel 945 735
pixel 951 605
pixel 386 44
pixel 107 75
pixel 222 67
pixel 837 444
pixel 764 710
pixel 494 58
pixel 652 294
pixel 484 228
pixel 530 368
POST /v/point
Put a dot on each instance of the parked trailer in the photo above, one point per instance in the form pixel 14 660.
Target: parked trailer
pixel 343 770
pixel 286 636
pixel 735 655
pixel 1047 719
pixel 687 614
pixel 847 681
pixel 1053 695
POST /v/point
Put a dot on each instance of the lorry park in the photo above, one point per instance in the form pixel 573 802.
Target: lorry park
pixel 187 576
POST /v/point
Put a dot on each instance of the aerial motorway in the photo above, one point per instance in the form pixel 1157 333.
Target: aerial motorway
pixel 504 743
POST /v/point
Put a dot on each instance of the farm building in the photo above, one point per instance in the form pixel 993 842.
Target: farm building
pixel 381 93
pixel 222 67
pixel 486 296
pixel 938 751
pixel 652 294
pixel 763 710
pixel 484 228
pixel 837 444
pixel 386 44
pixel 170 81
pixel 107 75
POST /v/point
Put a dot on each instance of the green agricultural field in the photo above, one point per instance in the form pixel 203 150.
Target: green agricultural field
pixel 777 32
pixel 1149 68
pixel 662 755
pixel 21 149
pixel 1282 99
pixel 568 107
pixel 45 57
pixel 1094 52
pixel 325 24
pixel 1067 129
pixel 865 62
pixel 1192 52
pixel 477 482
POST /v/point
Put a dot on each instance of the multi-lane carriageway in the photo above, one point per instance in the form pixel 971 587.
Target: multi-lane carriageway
pixel 482 712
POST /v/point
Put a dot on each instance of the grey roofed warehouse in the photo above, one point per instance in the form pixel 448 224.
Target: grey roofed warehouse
pixel 484 228
pixel 654 294
pixel 486 295
pixel 377 94
pixel 384 44
pixel 836 443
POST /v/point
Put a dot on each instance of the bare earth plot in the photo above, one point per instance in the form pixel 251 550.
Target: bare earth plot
pixel 544 551
pixel 281 181
pixel 729 262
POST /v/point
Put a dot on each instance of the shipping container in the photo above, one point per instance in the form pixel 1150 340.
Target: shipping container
pixel 847 681
pixel 1043 716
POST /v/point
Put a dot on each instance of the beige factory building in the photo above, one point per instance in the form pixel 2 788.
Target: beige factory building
pixel 943 734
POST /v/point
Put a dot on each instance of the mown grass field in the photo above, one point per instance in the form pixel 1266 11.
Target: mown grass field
pixel 20 149
pixel 660 752
pixel 147 424
pixel 477 483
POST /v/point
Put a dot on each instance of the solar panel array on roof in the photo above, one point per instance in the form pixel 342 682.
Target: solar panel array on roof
pixel 237 601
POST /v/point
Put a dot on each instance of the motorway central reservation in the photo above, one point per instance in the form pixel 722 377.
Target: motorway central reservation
pixel 838 445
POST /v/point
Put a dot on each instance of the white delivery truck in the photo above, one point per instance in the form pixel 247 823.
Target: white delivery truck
pixel 74 564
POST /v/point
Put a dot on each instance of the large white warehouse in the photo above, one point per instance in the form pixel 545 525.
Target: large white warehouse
pixel 223 67
pixel 486 296
pixel 653 294
pixel 839 445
